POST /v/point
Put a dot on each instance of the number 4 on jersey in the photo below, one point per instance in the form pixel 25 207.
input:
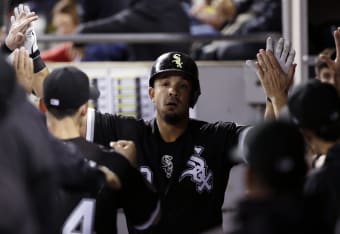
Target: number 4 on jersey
pixel 81 219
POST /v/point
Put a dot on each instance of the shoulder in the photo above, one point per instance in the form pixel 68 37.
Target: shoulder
pixel 219 126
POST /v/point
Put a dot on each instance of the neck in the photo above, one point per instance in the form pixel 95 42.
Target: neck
pixel 65 128
pixel 170 132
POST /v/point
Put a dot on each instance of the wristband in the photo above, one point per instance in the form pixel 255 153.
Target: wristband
pixel 38 63
pixel 5 49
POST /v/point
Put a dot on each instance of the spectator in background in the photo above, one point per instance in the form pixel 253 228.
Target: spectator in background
pixel 215 13
pixel 252 16
pixel 93 10
pixel 274 180
pixel 65 20
pixel 323 72
pixel 145 16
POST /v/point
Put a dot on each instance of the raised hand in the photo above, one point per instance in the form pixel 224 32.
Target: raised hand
pixel 23 66
pixel 20 22
pixel 335 64
pixel 284 52
pixel 30 36
pixel 274 80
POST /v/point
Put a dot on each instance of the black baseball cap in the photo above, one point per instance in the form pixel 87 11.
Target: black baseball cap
pixel 67 88
pixel 275 151
pixel 315 106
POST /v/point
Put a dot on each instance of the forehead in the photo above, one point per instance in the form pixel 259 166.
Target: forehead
pixel 172 76
pixel 326 69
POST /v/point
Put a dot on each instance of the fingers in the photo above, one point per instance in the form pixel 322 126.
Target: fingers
pixel 291 57
pixel 27 9
pixel 337 41
pixel 21 8
pixel 16 13
pixel 251 64
pixel 285 51
pixel 269 44
pixel 264 60
pixel 273 61
pixel 15 59
pixel 291 73
pixel 278 48
pixel 21 60
pixel 12 19
pixel 259 71
pixel 121 143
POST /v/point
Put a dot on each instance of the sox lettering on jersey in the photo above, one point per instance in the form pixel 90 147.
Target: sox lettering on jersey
pixel 198 171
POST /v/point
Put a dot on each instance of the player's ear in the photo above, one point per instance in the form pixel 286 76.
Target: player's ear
pixel 83 109
pixel 151 94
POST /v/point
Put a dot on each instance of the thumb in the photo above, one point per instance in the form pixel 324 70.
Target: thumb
pixel 251 64
pixel 291 72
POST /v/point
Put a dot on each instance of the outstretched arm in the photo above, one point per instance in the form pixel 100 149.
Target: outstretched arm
pixel 274 80
pixel 275 62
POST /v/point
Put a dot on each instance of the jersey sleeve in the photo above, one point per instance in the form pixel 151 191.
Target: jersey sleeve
pixel 104 128
pixel 233 136
pixel 73 172
pixel 137 197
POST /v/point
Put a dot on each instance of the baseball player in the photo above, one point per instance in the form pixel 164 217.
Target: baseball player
pixel 95 212
pixel 274 180
pixel 187 160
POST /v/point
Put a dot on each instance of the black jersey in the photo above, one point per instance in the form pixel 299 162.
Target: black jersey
pixel 38 164
pixel 96 212
pixel 193 193
pixel 323 192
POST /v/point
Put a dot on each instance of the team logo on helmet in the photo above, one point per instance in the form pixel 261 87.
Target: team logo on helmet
pixel 177 60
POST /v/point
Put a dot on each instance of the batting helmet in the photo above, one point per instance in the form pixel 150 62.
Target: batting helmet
pixel 177 62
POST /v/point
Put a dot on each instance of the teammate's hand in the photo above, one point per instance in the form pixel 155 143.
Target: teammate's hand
pixel 20 22
pixel 274 80
pixel 31 37
pixel 23 66
pixel 335 64
pixel 284 52
pixel 127 149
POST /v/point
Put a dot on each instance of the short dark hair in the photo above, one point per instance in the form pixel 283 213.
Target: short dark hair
pixel 315 106
pixel 61 114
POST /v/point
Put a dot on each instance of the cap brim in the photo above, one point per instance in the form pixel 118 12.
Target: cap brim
pixel 94 93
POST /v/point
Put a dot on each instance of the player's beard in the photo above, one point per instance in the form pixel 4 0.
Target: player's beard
pixel 175 118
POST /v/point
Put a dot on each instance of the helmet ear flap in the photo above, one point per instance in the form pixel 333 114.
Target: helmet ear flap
pixel 194 97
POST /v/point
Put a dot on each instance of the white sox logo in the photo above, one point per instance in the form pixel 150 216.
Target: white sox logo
pixel 198 172
pixel 167 165
pixel 177 60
